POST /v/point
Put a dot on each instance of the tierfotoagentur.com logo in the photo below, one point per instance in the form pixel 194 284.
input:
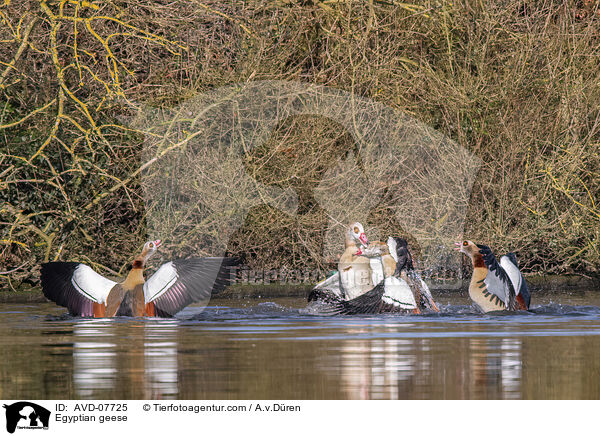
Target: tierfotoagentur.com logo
pixel 26 415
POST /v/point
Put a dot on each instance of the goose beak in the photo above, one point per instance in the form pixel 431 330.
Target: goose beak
pixel 458 246
pixel 363 239
pixel 157 243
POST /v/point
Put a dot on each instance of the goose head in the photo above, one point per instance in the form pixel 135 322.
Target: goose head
pixel 356 234
pixel 467 247
pixel 150 248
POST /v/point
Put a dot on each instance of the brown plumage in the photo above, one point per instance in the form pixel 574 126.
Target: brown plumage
pixel 495 285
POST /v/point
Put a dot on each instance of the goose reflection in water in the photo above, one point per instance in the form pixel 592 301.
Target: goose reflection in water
pixel 94 366
pixel 379 368
pixel 142 364
pixel 392 368
pixel 495 365
pixel 511 368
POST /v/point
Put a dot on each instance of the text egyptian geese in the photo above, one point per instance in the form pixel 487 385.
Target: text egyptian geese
pixel 175 285
pixel 495 286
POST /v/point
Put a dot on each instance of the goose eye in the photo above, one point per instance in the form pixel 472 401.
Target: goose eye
pixel 151 245
pixel 355 229
pixel 465 243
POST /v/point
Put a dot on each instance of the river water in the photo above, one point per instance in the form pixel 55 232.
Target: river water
pixel 274 349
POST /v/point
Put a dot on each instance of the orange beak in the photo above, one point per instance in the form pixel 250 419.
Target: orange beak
pixel 157 243
pixel 363 239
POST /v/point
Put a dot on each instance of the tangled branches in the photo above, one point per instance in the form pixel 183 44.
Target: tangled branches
pixel 513 82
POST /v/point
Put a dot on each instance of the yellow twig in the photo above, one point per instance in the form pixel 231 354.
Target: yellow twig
pixel 560 188
pixel 238 22
pixel 12 241
pixel 19 51
pixel 29 115
pixel 52 135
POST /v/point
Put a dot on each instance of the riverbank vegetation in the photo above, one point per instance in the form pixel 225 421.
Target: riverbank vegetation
pixel 516 83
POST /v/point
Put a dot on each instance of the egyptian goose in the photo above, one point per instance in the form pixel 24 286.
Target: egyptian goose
pixel 175 285
pixel 400 290
pixel 355 269
pixel 362 264
pixel 495 286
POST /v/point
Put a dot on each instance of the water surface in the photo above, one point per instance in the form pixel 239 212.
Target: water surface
pixel 273 349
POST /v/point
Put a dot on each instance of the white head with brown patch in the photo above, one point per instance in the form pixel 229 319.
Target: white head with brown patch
pixel 356 235
pixel 148 250
pixel 467 247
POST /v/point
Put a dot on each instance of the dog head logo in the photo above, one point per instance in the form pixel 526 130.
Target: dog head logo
pixel 26 415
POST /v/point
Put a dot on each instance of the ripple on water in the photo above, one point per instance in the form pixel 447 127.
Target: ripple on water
pixel 245 349
pixel 551 312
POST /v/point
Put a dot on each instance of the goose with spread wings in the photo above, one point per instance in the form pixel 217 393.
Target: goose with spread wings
pixel 399 287
pixel 495 285
pixel 175 285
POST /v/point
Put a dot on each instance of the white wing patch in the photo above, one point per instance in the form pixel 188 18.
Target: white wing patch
pixel 332 284
pixel 496 286
pixel 391 243
pixel 91 284
pixel 376 270
pixel 398 293
pixel 160 282
pixel 512 272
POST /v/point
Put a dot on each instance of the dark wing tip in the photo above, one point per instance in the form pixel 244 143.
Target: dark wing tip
pixel 48 267
pixel 400 242
pixel 483 248
pixel 368 303
pixel 324 296
pixel 226 275
pixel 227 261
pixel 54 276
pixel 198 279
pixel 56 283
pixel 222 271
pixel 488 257
pixel 404 256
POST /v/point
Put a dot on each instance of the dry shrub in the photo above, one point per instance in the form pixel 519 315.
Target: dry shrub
pixel 514 82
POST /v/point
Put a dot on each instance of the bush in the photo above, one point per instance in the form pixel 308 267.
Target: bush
pixel 514 82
